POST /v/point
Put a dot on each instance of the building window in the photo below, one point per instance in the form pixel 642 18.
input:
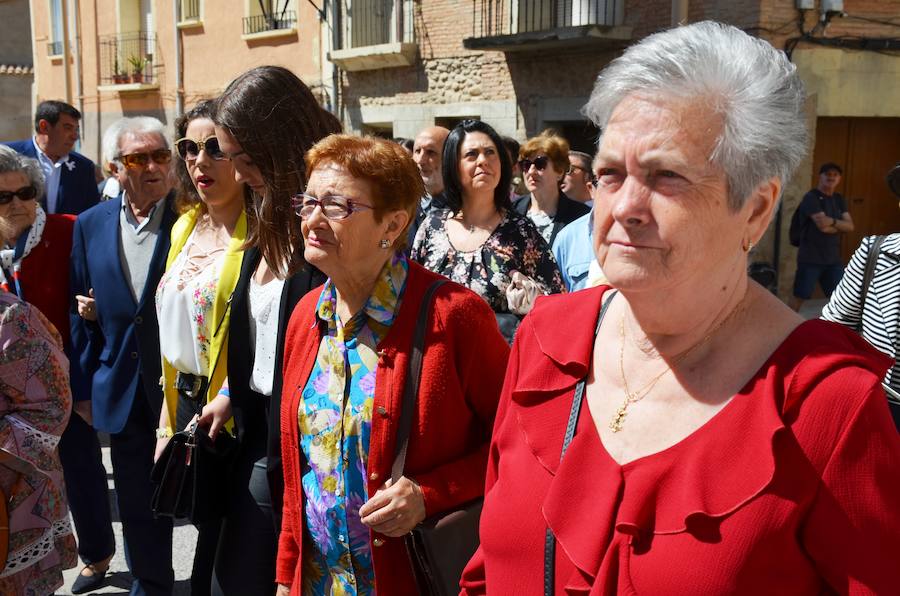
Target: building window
pixel 55 47
pixel 124 59
pixel 269 15
pixel 377 22
pixel 190 10
pixel 510 17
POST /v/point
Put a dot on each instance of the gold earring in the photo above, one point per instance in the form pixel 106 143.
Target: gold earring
pixel 746 246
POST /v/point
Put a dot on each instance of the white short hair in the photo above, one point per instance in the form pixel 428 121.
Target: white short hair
pixel 138 125
pixel 753 86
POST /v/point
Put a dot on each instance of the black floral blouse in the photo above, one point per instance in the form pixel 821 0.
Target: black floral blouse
pixel 514 245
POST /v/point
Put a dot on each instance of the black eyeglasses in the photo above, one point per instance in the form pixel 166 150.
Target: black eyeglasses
pixel 539 162
pixel 26 193
pixel 189 149
pixel 333 206
pixel 134 161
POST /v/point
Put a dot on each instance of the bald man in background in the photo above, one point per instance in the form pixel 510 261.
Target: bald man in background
pixel 428 152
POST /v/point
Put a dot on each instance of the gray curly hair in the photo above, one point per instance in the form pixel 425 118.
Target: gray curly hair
pixel 10 161
pixel 753 86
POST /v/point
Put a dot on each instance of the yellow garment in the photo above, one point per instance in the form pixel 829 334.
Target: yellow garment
pixel 228 278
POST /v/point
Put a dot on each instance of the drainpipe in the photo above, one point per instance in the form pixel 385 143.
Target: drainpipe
pixel 76 47
pixel 65 48
pixel 179 74
pixel 336 26
pixel 679 12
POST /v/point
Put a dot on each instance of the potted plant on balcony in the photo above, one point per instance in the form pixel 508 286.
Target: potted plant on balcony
pixel 119 77
pixel 138 63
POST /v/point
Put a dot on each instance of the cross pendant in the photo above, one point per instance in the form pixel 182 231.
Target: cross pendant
pixel 618 420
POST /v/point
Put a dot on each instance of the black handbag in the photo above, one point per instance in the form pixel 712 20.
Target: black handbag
pixel 440 546
pixel 191 475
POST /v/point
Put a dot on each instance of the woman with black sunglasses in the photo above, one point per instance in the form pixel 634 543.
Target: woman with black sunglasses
pixel 544 161
pixel 193 299
pixel 479 241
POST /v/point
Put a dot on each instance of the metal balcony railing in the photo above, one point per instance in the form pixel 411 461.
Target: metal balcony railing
pixel 493 18
pixel 55 48
pixel 190 10
pixel 375 22
pixel 127 58
pixel 271 22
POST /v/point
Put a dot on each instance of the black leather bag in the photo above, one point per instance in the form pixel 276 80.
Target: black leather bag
pixel 440 546
pixel 191 476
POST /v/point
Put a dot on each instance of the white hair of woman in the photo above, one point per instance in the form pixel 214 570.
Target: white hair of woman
pixel 753 86
pixel 12 161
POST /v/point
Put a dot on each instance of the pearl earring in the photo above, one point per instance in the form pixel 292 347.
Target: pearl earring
pixel 384 243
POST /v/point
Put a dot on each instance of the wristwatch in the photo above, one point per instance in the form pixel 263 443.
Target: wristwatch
pixel 164 433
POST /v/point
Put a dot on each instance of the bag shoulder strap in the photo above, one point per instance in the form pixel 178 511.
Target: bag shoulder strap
pixel 868 274
pixel 411 387
pixel 574 413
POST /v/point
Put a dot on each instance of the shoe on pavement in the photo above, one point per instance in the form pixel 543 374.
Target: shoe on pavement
pixel 87 583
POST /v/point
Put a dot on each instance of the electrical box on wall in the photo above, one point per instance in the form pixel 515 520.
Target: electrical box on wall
pixel 806 4
pixel 832 6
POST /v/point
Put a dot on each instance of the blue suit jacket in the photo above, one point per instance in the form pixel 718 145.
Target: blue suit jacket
pixel 109 356
pixel 77 186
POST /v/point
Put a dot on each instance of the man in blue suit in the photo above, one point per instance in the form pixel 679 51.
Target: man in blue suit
pixel 119 253
pixel 71 184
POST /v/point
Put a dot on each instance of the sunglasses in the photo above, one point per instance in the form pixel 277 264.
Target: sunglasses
pixel 189 149
pixel 134 161
pixel 539 162
pixel 26 193
pixel 333 206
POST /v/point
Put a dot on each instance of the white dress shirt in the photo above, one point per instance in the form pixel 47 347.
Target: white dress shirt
pixel 52 173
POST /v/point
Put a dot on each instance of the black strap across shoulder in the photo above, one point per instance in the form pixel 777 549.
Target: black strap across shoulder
pixel 549 538
pixel 868 274
pixel 411 387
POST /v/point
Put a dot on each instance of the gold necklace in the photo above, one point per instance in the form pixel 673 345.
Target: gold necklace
pixel 635 396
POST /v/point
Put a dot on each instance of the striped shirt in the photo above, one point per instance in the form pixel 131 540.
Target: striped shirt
pixel 881 313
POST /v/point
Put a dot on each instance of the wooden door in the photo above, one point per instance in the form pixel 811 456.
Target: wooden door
pixel 866 148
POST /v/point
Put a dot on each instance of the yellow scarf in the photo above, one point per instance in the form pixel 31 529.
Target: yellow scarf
pixel 221 313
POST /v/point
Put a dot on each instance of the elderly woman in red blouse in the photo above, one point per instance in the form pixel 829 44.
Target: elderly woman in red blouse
pixel 346 356
pixel 721 444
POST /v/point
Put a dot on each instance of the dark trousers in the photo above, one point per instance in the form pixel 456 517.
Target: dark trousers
pixel 236 556
pixel 148 541
pixel 87 490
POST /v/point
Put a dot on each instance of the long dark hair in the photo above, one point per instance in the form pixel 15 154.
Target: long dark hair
pixel 450 162
pixel 276 119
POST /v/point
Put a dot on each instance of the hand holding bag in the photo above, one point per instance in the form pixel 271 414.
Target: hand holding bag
pixel 191 475
pixel 440 546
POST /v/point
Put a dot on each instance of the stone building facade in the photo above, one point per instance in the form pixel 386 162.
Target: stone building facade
pixel 16 70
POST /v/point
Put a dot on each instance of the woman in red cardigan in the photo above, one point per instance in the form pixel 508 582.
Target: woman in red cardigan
pixel 346 358
pixel 34 259
pixel 721 444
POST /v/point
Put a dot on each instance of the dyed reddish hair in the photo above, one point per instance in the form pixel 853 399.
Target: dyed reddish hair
pixel 550 144
pixel 385 165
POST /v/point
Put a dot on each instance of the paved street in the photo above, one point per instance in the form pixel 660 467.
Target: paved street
pixel 119 578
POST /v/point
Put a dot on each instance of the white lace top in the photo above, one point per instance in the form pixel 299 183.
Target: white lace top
pixel 265 301
pixel 184 303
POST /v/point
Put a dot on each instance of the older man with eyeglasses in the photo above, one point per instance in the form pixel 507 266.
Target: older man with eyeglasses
pixel 118 256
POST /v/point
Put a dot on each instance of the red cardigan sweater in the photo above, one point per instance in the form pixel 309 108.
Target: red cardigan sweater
pixel 45 273
pixel 792 488
pixel 462 374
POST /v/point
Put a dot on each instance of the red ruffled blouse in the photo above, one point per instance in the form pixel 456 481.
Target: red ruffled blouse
pixel 792 488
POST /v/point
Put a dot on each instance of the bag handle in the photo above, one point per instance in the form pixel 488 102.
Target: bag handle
pixel 871 262
pixel 549 538
pixel 411 387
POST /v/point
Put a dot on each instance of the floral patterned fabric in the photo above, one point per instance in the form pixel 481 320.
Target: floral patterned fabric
pixel 335 421
pixel 185 298
pixel 35 401
pixel 515 245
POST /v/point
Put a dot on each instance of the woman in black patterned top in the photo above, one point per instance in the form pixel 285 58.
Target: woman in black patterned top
pixel 478 240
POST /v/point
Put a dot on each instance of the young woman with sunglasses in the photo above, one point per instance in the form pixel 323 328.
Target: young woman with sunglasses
pixel 193 296
pixel 479 241
pixel 266 120
pixel 544 160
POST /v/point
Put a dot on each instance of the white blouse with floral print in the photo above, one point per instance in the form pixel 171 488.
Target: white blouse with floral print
pixel 184 303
